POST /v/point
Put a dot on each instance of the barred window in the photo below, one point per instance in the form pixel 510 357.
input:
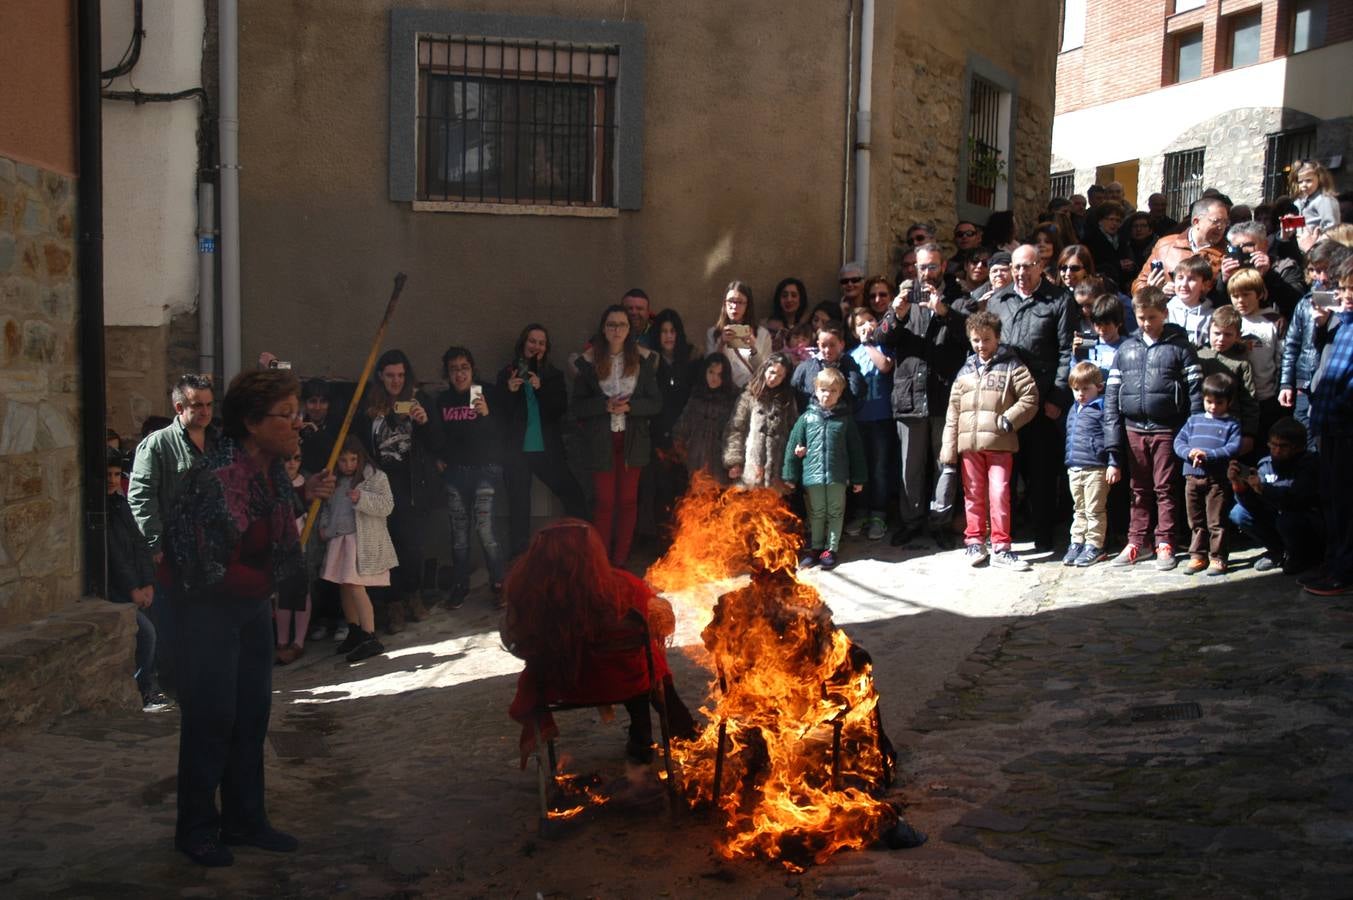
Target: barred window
pixel 1062 185
pixel 1183 181
pixel 986 163
pixel 517 122
pixel 1282 150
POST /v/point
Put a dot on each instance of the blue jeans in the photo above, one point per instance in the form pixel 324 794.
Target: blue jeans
pixel 1295 533
pixel 145 644
pixel 880 453
pixel 470 490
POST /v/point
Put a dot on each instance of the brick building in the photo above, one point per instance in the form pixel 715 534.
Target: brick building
pixel 1178 95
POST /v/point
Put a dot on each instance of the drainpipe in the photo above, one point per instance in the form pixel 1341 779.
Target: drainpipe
pixel 89 252
pixel 863 133
pixel 206 277
pixel 846 143
pixel 229 46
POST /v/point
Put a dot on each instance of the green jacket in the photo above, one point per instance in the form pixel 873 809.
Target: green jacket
pixel 162 459
pixel 589 407
pixel 835 449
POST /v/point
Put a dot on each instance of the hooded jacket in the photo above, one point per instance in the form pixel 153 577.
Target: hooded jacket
pixel 835 449
pixel 1087 443
pixel 990 401
pixel 1153 388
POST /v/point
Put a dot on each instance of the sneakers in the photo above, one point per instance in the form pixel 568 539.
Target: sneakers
pixel 318 632
pixel 1089 556
pixel 1165 560
pixel 855 526
pixel 827 560
pixel 266 838
pixel 155 701
pixel 1216 567
pixel 352 636
pixel 340 633
pixel 207 852
pixel 876 529
pixel 1195 565
pixel 975 554
pixel 1008 559
pixel 1266 564
pixel 1126 557
pixel 1328 586
pixel 365 650
pixel 1073 553
pixel 808 560
pixel 455 599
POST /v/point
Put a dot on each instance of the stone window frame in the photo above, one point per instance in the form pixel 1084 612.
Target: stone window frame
pixel 1005 188
pixel 406 25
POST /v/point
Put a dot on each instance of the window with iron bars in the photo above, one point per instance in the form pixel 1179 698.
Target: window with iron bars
pixel 516 122
pixel 1062 184
pixel 1284 149
pixel 986 165
pixel 1183 181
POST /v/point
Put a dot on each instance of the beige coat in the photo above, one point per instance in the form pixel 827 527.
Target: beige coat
pixel 988 404
pixel 375 502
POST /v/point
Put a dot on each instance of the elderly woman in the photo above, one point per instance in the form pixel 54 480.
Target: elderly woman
pixel 231 545
pixel 575 619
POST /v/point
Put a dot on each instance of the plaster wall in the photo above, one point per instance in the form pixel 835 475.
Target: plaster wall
pixel 150 167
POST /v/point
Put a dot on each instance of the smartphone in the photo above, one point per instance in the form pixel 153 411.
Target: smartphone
pixel 1324 299
pixel 476 393
pixel 403 407
pixel 742 333
pixel 1292 223
pixel 1157 265
pixel 278 364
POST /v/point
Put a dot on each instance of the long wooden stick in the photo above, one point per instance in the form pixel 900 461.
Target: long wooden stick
pixel 313 513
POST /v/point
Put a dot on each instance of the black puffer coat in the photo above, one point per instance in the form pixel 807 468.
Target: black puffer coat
pixel 930 350
pixel 1153 388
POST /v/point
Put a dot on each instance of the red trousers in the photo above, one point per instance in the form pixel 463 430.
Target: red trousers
pixel 617 502
pixel 986 492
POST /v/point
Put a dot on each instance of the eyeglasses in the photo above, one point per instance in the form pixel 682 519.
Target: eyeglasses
pixel 965 233
pixel 918 238
pixel 295 417
pixel 464 367
pixel 978 262
pixel 855 279
pixel 1072 268
pixel 927 267
pixel 735 301
pixel 613 326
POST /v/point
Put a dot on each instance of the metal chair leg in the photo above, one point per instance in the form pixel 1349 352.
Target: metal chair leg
pixel 541 781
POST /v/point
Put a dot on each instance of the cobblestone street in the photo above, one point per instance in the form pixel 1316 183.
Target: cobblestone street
pixel 1027 709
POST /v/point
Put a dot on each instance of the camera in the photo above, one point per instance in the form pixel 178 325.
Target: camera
pixel 1240 255
pixel 1157 265
pixel 278 364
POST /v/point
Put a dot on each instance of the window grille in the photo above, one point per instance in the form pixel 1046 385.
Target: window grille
pixel 1285 148
pixel 985 165
pixel 516 122
pixel 1183 181
pixel 1062 184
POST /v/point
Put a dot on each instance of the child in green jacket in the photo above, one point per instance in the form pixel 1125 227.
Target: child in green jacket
pixel 824 453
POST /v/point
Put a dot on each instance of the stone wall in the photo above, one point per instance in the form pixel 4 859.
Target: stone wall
pixel 927 135
pixel 143 364
pixel 40 554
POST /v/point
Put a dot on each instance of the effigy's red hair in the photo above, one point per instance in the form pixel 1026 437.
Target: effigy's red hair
pixel 561 595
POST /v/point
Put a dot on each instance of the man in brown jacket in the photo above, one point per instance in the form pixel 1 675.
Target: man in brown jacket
pixel 1206 236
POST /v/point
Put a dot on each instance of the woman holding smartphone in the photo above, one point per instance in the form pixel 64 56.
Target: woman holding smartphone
pixel 736 334
pixel 614 397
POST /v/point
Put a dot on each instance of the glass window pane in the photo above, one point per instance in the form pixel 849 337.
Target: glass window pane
pixel 1245 40
pixel 1308 25
pixel 1186 5
pixel 1073 25
pixel 1189 56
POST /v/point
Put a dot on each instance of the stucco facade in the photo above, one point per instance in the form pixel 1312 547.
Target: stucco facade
pixel 746 152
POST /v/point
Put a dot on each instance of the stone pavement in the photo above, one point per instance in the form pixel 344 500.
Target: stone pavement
pixel 1026 707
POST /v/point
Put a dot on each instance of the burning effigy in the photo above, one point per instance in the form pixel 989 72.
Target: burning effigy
pixel 793 758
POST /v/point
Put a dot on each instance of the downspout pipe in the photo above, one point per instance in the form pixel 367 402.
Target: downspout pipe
pixel 864 133
pixel 228 24
pixel 206 277
pixel 89 252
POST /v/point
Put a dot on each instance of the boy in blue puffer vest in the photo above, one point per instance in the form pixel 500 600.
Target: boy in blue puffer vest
pixel 1092 466
pixel 824 453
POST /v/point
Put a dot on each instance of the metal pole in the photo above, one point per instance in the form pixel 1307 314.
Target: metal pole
pixel 93 397
pixel 863 133
pixel 228 39
pixel 206 277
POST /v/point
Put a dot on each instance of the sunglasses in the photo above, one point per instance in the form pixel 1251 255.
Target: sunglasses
pixel 966 233
pixel 918 239
pixel 855 280
pixel 1073 268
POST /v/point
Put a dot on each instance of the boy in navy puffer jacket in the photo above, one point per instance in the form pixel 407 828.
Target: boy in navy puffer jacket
pixel 1154 386
pixel 1092 466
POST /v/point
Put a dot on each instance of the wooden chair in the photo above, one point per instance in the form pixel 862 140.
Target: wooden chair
pixel 632 637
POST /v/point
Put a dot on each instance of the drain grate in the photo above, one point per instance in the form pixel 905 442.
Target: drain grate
pixel 1168 712
pixel 298 744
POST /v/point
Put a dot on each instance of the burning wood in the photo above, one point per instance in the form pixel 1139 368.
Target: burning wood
pixel 794 758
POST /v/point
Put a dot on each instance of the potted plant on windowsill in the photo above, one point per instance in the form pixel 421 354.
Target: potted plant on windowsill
pixel 986 167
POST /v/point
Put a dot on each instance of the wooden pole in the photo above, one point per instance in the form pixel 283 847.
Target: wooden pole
pixel 313 513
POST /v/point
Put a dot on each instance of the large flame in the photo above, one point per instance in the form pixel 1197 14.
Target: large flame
pixel 792 700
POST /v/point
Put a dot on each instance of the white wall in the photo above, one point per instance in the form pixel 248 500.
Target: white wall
pixel 1315 82
pixel 150 165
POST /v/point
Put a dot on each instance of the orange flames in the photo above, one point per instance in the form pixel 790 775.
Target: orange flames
pixel 793 701
pixel 582 791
